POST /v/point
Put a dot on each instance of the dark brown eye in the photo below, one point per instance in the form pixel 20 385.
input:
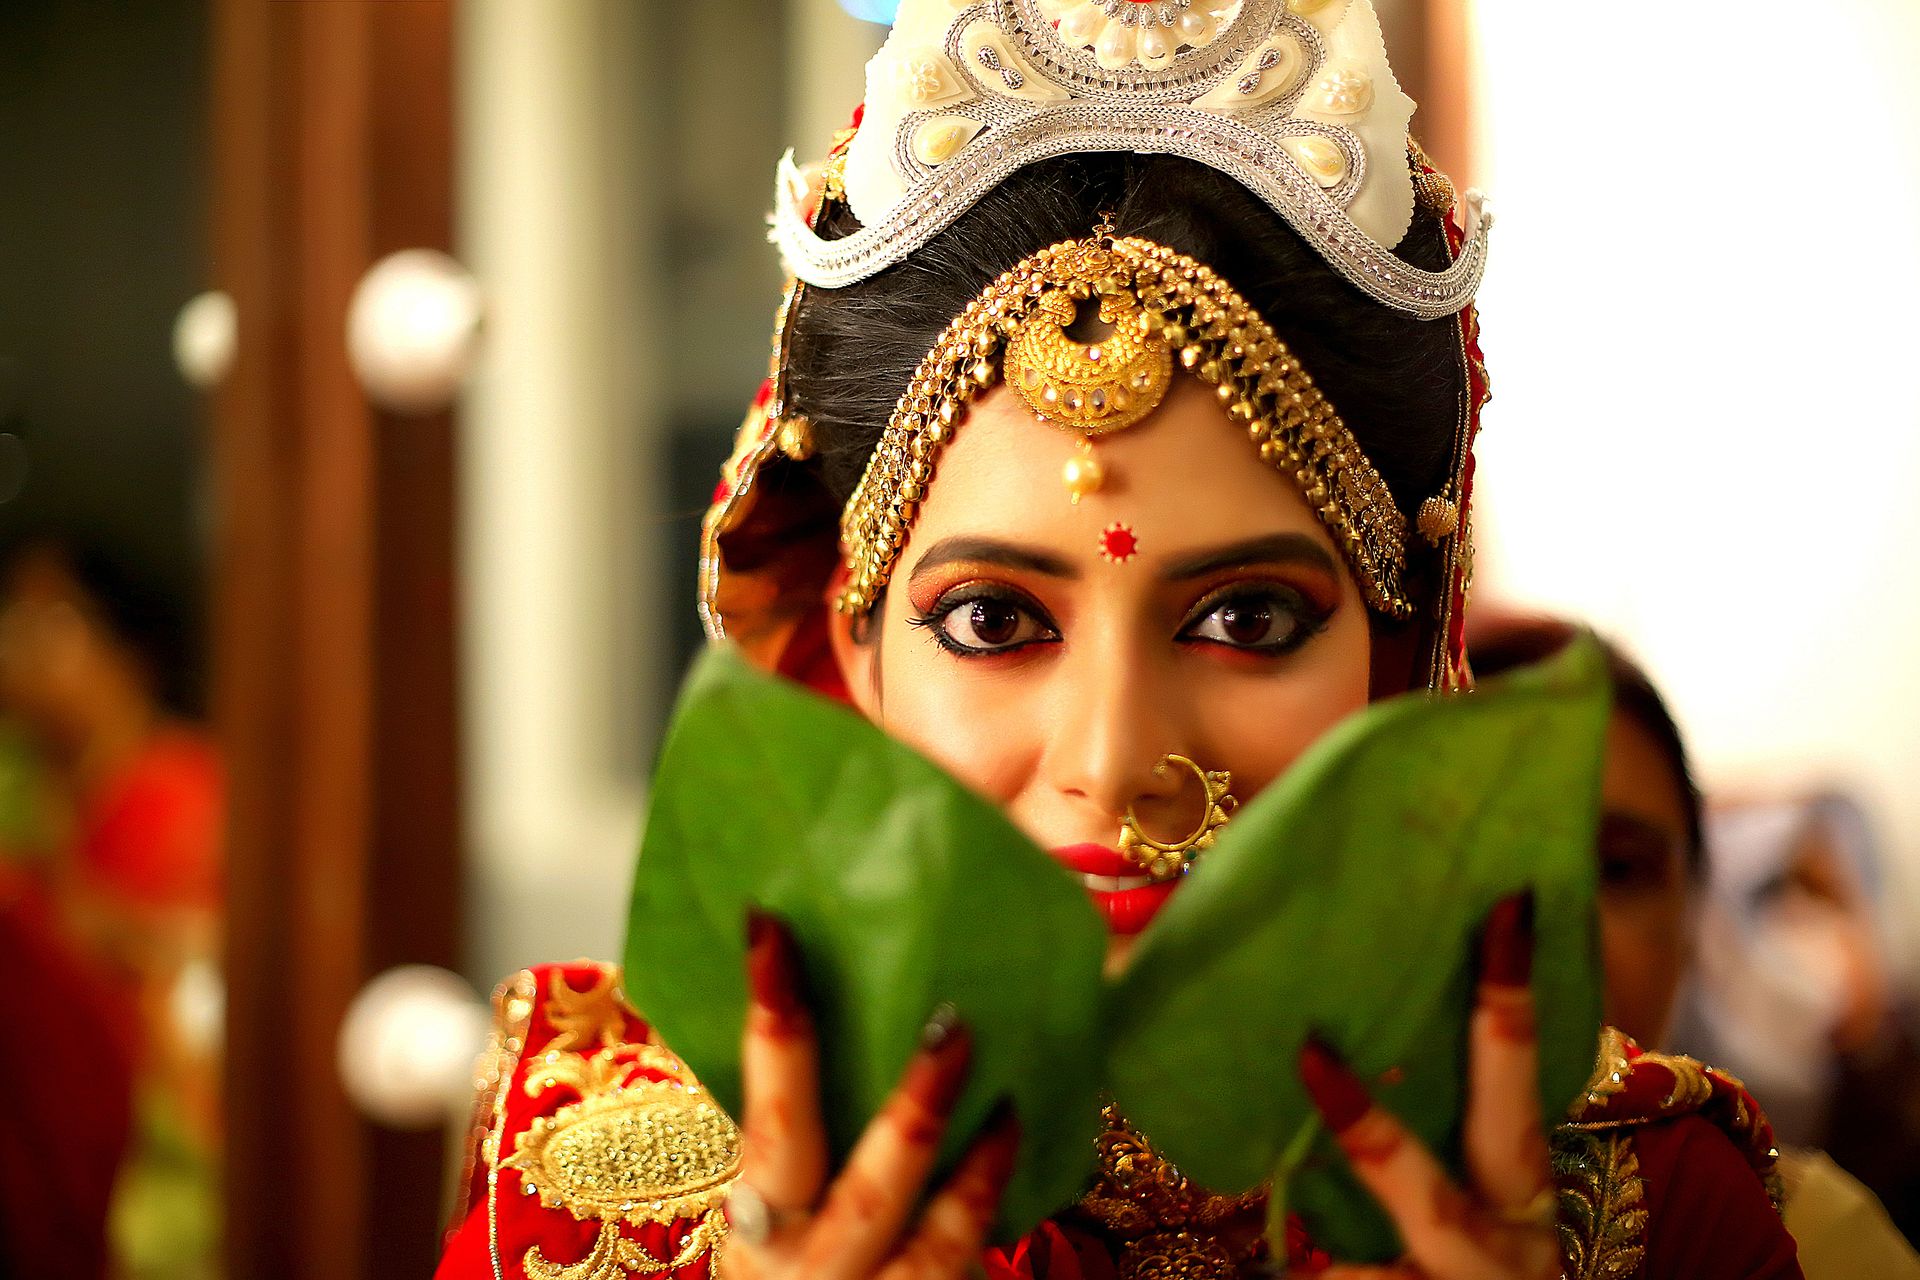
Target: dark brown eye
pixel 1246 621
pixel 1636 856
pixel 987 624
pixel 994 622
pixel 1262 620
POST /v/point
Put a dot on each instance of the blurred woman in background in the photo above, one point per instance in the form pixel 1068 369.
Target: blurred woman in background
pixel 1655 864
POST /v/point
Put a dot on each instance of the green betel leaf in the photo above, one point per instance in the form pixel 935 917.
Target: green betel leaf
pixel 1345 900
pixel 903 889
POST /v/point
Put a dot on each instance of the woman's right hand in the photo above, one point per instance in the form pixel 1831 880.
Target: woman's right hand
pixel 793 1216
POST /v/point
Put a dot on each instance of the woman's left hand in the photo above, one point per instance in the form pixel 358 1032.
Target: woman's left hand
pixel 1500 1225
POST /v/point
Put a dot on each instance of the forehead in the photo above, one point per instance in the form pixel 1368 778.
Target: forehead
pixel 1185 476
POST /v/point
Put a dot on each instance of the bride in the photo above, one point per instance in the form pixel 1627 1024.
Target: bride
pixel 1117 445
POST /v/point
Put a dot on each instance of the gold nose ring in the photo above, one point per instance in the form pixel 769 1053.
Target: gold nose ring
pixel 1164 860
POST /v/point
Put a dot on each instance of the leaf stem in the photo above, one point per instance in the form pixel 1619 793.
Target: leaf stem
pixel 1278 1192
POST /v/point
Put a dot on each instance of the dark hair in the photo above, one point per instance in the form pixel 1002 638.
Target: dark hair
pixel 1512 641
pixel 1397 381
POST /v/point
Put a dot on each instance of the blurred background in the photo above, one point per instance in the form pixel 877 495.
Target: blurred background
pixel 364 370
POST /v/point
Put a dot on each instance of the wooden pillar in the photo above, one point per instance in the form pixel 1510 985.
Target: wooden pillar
pixel 333 628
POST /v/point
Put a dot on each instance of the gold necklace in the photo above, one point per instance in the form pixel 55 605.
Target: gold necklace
pixel 1168 1227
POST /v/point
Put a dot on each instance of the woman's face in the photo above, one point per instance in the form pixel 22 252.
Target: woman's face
pixel 1050 654
pixel 1645 888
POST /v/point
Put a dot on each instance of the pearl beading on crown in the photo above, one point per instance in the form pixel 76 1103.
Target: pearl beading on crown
pixel 1292 98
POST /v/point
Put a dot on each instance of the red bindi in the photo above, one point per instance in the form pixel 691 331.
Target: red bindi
pixel 1118 544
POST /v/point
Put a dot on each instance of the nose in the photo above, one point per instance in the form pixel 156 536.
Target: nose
pixel 1118 717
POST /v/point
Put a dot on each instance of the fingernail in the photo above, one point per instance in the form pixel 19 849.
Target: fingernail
pixel 1506 942
pixel 773 967
pixel 939 1071
pixel 944 1022
pixel 1335 1090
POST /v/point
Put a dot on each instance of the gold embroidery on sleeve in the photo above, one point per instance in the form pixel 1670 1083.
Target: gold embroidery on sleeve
pixel 630 1152
pixel 513 1011
pixel 1691 1087
pixel 1602 1209
pixel 615 1256
pixel 1609 1071
pixel 590 1019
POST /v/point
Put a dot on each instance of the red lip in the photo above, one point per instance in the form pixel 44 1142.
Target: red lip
pixel 1131 910
pixel 1126 911
pixel 1095 860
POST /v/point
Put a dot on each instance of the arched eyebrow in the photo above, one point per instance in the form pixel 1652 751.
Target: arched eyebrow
pixel 1273 548
pixel 1009 555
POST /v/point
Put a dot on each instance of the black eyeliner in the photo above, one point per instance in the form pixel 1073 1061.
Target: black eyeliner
pixel 970 593
pixel 1312 618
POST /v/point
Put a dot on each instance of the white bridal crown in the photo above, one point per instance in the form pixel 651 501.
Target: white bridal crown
pixel 1293 98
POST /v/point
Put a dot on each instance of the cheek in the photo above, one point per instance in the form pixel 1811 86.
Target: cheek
pixel 984 728
pixel 1642 949
pixel 1258 721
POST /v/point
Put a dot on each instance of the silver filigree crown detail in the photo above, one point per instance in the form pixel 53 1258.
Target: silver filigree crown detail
pixel 1293 98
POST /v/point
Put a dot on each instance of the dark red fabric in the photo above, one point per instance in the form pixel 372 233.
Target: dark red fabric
pixel 1052 1251
pixel 66 1095
pixel 1704 1156
pixel 1660 1087
pixel 809 659
pixel 1709 1217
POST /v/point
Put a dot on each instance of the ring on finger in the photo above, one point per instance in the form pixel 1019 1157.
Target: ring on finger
pixel 1541 1211
pixel 751 1220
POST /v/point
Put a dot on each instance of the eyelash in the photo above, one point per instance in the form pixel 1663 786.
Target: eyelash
pixel 1311 618
pixel 959 598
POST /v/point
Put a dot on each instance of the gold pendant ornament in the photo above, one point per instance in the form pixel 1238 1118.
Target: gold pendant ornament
pixel 1105 381
pixel 1093 387
pixel 1164 860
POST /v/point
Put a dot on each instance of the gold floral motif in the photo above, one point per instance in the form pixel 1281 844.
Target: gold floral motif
pixel 1692 1089
pixel 615 1256
pixel 594 1018
pixel 645 1151
pixel 1215 334
pixel 1602 1205
pixel 633 1151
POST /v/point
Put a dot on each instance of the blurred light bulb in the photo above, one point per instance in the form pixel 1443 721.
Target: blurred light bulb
pixel 411 330
pixel 205 334
pixel 198 1005
pixel 408 1044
